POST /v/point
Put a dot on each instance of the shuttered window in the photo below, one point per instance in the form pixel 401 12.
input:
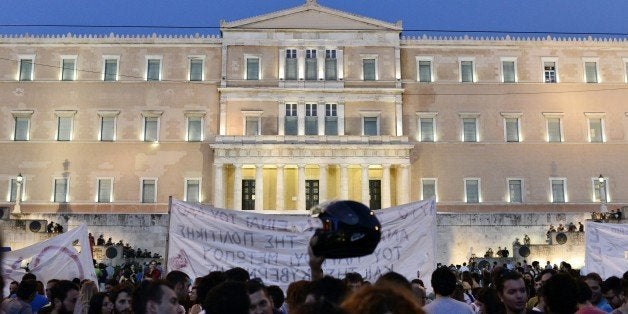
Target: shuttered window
pixel 64 128
pixel 590 72
pixel 61 190
pixel 252 69
pixel 311 65
pixel 104 190
pixel 192 190
pixel 472 190
pixel 508 70
pixel 291 70
pixel 196 69
pixel 331 65
pixel 149 191
pixel 466 71
pixel 369 69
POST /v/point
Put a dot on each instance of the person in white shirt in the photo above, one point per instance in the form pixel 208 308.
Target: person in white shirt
pixel 444 283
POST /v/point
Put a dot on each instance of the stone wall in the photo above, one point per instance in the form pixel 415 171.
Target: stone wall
pixel 458 235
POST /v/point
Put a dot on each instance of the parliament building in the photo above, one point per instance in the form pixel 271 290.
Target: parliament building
pixel 292 108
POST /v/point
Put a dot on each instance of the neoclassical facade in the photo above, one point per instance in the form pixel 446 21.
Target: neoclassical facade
pixel 295 107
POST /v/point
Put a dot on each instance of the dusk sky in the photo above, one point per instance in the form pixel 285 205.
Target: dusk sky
pixel 544 16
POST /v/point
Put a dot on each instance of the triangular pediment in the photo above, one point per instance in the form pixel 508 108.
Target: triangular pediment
pixel 310 16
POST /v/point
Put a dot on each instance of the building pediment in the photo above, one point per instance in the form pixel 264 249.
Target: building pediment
pixel 310 15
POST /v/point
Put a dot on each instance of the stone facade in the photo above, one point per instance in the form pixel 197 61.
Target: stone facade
pixel 307 104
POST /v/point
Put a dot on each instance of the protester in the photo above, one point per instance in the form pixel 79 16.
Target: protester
pixel 87 291
pixel 180 282
pixel 444 283
pixel 560 294
pixel 63 297
pixel 511 290
pixel 382 299
pixel 261 302
pixel 594 281
pixel 228 297
pixel 155 297
pixel 100 304
pixel 20 304
pixel 121 298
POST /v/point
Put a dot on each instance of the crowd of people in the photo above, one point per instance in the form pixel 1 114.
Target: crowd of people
pixel 508 288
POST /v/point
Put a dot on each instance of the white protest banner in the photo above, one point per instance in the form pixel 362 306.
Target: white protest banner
pixel 274 247
pixel 606 248
pixel 54 258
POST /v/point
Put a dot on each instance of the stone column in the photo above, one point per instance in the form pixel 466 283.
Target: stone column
pixel 301 186
pixel 404 186
pixel 259 187
pixel 344 182
pixel 237 187
pixel 280 190
pixel 386 202
pixel 365 184
pixel 322 183
pixel 219 184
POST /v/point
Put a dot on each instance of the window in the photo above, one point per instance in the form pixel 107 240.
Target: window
pixel 291 64
pixel 626 70
pixel 596 129
pixel 65 121
pixel 428 188
pixel 291 124
pixel 192 190
pixel 26 68
pixel 13 190
pixel 331 119
pixel 549 68
pixel 68 68
pixel 153 69
pixel 151 129
pixel 331 65
pixel 554 128
pixel 22 120
pixel 558 190
pixel 105 188
pixel 511 127
pixel 469 127
pixel 196 68
pixel 590 72
pixel 311 119
pixel 424 69
pixel 472 190
pixel 466 71
pixel 110 71
pixel 369 69
pixel 60 190
pixel 149 190
pixel 508 70
pixel 426 126
pixel 252 68
pixel 252 125
pixel 195 128
pixel 151 125
pixel 600 189
pixel 311 65
pixel 514 191
pixel 370 123
pixel 108 125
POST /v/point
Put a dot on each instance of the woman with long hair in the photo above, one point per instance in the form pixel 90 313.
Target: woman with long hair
pixel 87 291
pixel 100 304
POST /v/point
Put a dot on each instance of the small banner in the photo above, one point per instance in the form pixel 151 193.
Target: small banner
pixel 55 258
pixel 274 247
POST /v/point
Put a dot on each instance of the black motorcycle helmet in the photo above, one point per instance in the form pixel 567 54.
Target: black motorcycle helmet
pixel 350 229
